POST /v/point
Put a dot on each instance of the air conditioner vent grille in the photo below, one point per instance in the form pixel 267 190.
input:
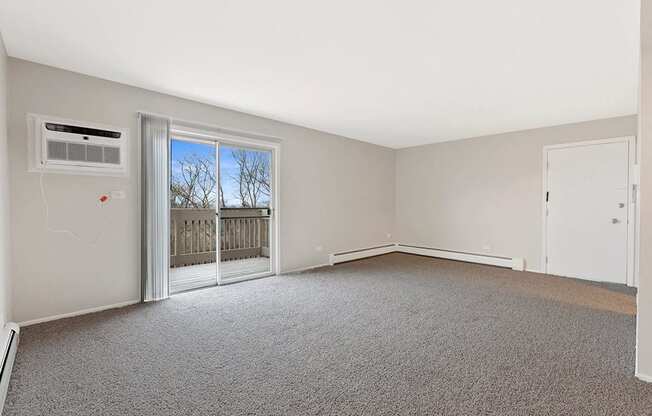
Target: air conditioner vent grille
pixel 111 155
pixel 80 152
pixel 94 153
pixel 57 150
pixel 77 152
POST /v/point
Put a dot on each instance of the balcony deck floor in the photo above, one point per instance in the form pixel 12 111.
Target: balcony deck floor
pixel 201 275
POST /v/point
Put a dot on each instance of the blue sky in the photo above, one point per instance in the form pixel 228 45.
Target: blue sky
pixel 228 167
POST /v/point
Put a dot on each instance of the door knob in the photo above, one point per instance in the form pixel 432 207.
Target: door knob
pixel 615 220
pixel 621 205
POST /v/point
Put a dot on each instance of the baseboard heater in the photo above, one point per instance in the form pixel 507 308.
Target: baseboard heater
pixel 9 339
pixel 515 263
pixel 361 253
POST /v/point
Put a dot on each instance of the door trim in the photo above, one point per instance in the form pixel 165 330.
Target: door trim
pixel 632 202
pixel 218 219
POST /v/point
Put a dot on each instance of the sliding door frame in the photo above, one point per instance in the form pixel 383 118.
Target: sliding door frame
pixel 220 138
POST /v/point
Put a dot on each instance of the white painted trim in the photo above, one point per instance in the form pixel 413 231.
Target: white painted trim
pixel 543 262
pixel 226 136
pixel 518 264
pixel 638 333
pixel 276 208
pixel 589 142
pixel 633 180
pixel 639 130
pixel 192 125
pixel 254 276
pixel 362 253
pixel 633 210
pixel 305 269
pixel 644 377
pixel 456 255
pixel 78 313
pixel 218 222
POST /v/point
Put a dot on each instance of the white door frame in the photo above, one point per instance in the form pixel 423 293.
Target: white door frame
pixel 218 229
pixel 632 201
pixel 251 143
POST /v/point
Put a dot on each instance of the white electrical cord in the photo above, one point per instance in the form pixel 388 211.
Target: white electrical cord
pixel 64 231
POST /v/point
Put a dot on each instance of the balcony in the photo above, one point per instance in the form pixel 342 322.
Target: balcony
pixel 243 242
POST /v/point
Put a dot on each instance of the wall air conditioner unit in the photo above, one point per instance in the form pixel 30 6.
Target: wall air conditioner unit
pixel 67 146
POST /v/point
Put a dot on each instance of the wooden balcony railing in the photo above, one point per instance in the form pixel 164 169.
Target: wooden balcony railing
pixel 244 234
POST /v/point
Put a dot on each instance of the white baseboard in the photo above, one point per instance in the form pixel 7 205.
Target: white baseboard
pixel 361 253
pixel 77 313
pixel 510 263
pixel 644 377
pixel 304 269
pixel 566 277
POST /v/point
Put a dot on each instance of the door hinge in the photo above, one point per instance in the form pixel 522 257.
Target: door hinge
pixel 547 196
pixel 546 259
pixel 634 193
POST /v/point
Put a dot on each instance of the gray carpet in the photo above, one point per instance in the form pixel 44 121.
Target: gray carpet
pixel 391 335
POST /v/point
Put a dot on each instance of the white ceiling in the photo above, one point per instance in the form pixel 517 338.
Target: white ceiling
pixel 396 73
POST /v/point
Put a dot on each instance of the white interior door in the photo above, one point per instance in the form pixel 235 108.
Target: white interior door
pixel 587 211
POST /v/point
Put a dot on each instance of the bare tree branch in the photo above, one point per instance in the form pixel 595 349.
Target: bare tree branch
pixel 193 183
pixel 253 177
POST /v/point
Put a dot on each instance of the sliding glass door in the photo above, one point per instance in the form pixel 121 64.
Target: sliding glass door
pixel 193 225
pixel 221 222
pixel 245 195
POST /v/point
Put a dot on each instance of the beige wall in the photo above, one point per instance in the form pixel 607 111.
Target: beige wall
pixel 480 195
pixel 644 333
pixel 484 195
pixel 5 246
pixel 336 193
